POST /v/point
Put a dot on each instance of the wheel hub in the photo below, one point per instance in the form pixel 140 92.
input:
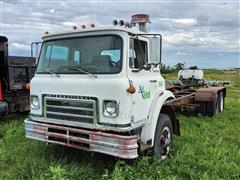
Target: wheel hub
pixel 221 102
pixel 165 142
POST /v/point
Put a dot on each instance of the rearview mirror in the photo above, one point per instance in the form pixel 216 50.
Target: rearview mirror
pixel 155 50
pixel 35 46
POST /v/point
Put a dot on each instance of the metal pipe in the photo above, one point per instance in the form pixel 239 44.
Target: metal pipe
pixel 32 48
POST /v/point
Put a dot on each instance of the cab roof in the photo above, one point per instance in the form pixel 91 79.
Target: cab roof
pixel 91 29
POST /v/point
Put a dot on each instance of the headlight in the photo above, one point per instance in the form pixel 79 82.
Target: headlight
pixel 110 108
pixel 35 102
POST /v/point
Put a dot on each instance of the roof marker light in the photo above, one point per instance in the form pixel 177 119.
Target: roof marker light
pixel 46 33
pixel 83 26
pixel 92 25
pixel 121 22
pixel 115 22
pixel 74 27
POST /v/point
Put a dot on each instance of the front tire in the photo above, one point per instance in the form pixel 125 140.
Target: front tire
pixel 163 137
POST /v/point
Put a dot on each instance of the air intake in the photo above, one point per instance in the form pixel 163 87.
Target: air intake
pixel 142 20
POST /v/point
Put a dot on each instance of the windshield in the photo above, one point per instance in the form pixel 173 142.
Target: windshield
pixel 95 55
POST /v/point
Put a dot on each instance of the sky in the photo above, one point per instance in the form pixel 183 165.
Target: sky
pixel 205 33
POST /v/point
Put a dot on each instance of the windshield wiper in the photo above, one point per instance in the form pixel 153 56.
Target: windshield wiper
pixel 83 71
pixel 51 72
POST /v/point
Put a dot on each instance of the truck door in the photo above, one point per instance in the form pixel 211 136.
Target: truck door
pixel 145 81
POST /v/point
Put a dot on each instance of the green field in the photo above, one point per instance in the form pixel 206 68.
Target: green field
pixel 208 148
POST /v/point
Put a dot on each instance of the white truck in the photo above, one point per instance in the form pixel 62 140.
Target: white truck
pixel 100 89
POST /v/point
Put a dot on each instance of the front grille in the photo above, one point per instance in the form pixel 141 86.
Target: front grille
pixel 71 108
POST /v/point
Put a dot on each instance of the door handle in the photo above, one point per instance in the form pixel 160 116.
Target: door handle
pixel 153 81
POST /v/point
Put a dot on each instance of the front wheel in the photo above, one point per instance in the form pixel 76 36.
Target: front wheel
pixel 163 137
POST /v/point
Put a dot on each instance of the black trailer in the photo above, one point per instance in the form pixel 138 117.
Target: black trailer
pixel 15 75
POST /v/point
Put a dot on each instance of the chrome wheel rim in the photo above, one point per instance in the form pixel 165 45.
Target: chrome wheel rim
pixel 165 142
pixel 221 102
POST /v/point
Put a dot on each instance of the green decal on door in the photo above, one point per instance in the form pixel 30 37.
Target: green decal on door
pixel 145 94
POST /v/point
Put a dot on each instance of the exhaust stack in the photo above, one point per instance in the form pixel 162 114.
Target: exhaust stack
pixel 142 20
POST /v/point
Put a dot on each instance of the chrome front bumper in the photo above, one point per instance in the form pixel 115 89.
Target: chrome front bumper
pixel 125 147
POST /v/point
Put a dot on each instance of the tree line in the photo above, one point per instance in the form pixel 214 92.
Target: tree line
pixel 177 67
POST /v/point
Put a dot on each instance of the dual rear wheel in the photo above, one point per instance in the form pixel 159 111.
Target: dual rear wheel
pixel 212 108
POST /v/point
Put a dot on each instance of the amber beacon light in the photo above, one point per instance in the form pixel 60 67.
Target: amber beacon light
pixel 131 89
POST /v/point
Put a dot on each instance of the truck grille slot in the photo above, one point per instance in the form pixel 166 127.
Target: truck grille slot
pixel 87 146
pixel 70 111
pixel 59 135
pixel 71 108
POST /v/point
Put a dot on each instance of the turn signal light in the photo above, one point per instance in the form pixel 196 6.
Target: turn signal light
pixel 28 86
pixel 131 89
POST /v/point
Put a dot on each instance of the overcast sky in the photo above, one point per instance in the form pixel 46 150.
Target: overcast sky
pixel 204 33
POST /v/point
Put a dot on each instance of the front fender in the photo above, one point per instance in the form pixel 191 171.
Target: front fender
pixel 148 130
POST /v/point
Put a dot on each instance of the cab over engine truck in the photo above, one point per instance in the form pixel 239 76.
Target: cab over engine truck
pixel 100 89
pixel 15 75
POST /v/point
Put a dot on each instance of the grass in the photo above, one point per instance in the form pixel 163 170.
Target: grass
pixel 208 148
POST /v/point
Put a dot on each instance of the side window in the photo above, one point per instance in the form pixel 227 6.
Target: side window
pixel 138 53
pixel 132 57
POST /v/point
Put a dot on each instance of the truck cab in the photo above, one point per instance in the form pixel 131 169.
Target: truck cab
pixel 100 89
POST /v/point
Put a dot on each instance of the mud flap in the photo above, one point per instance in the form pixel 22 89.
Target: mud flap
pixel 176 127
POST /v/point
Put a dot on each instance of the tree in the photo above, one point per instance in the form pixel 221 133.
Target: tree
pixel 193 67
pixel 179 66
pixel 165 68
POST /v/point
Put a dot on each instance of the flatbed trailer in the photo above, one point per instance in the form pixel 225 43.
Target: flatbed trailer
pixel 207 101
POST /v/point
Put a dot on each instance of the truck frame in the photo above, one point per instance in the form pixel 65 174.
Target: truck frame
pixel 100 89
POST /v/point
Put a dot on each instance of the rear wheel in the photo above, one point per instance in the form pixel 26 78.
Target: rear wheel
pixel 163 137
pixel 212 108
pixel 202 108
pixel 209 108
